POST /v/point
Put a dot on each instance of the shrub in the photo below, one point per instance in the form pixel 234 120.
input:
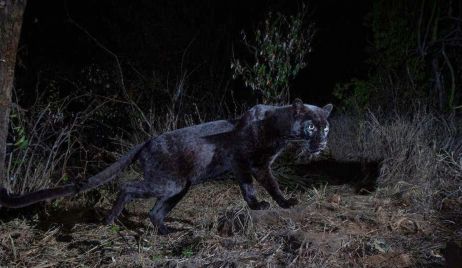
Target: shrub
pixel 279 48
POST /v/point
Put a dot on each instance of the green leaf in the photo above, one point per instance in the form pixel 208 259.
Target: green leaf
pixel 22 143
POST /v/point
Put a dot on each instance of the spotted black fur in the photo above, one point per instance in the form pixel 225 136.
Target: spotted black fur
pixel 176 160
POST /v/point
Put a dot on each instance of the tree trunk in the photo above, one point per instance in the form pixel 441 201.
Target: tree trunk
pixel 11 12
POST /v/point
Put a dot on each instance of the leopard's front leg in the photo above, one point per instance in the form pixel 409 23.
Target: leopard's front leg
pixel 244 176
pixel 265 177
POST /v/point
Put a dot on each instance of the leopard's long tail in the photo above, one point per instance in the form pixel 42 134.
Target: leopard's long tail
pixel 102 177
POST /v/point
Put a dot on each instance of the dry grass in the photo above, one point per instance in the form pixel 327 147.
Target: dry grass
pixel 332 227
pixel 421 154
pixel 46 137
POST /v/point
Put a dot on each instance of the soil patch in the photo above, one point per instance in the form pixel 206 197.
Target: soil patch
pixel 332 226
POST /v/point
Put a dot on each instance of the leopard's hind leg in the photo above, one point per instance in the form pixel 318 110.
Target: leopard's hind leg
pixel 173 194
pixel 127 192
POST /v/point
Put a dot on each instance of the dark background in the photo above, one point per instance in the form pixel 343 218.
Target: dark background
pixel 161 38
pixel 150 59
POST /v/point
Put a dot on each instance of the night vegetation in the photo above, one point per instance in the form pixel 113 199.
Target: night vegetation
pixel 82 82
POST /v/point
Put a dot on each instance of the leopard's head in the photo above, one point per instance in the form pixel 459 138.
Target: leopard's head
pixel 310 126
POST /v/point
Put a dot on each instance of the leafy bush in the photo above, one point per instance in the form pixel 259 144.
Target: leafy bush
pixel 279 48
pixel 414 55
pixel 355 94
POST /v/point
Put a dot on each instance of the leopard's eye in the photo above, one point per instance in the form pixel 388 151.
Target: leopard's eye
pixel 309 128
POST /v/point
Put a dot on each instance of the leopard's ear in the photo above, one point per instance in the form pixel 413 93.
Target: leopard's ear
pixel 328 109
pixel 298 106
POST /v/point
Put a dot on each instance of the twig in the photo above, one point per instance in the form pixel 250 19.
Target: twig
pixel 13 247
pixel 100 45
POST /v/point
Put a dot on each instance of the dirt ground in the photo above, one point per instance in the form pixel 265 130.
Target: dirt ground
pixel 331 227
